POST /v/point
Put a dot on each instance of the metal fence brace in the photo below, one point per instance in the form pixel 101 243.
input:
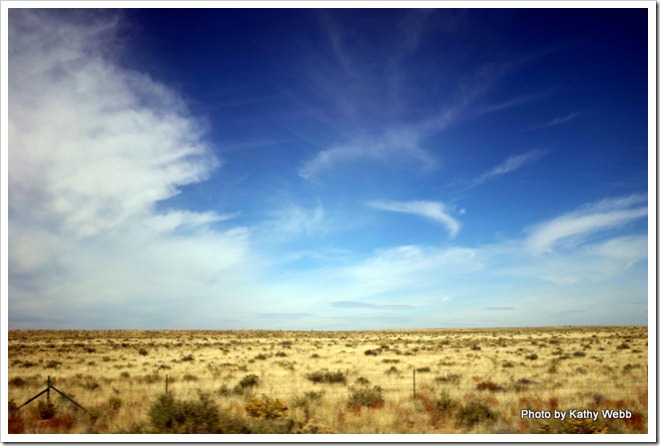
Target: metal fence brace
pixel 47 392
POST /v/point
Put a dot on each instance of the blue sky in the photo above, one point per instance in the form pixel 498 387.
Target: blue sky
pixel 327 169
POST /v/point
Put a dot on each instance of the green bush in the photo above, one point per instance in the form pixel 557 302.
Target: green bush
pixel 366 397
pixel 473 413
pixel 306 399
pixel 445 402
pixel 325 376
pixel 172 416
pixel 250 380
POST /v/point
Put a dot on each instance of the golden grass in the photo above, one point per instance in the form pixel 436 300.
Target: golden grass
pixel 462 375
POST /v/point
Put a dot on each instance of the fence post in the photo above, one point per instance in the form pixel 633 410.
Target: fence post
pixel 167 378
pixel 47 392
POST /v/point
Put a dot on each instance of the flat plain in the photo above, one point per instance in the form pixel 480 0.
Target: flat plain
pixel 499 380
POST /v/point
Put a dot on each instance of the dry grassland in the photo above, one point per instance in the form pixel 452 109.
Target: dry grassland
pixel 418 381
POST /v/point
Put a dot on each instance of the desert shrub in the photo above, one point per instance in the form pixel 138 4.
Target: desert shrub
pixel 507 364
pixel 143 352
pixel 371 353
pixel 17 382
pixel 46 410
pixel 224 390
pixel 623 346
pixel 52 365
pixel 324 376
pixel 391 370
pixel 248 381
pixel 473 413
pixel 169 415
pixel 12 407
pixel 114 403
pixel 579 354
pixel 306 398
pixel 261 357
pixel 265 407
pixel 449 378
pixel 532 357
pixel 489 385
pixel 188 357
pixel 90 385
pixel 280 354
pixel 445 402
pixel 475 347
pixel 521 384
pixel 189 377
pixel 361 380
pixel 366 397
pixel 423 369
pixel 628 367
pixel 393 361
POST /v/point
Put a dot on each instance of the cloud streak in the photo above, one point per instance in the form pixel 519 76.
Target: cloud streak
pixel 394 146
pixel 435 211
pixel 509 165
pixel 575 227
pixel 558 121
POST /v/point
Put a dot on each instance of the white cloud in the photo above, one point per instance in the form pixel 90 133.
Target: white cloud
pixel 395 146
pixel 93 147
pixel 558 121
pixel 512 163
pixel 432 210
pixel 574 227
pixel 292 220
pixel 91 144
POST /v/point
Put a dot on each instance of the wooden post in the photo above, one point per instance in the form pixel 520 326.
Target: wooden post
pixel 48 390
pixel 167 378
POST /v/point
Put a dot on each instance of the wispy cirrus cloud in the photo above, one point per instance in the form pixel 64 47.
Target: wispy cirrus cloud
pixel 509 165
pixel 432 210
pixel 399 145
pixel 558 121
pixel 574 227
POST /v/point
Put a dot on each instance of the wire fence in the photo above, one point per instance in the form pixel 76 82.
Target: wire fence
pixel 413 383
